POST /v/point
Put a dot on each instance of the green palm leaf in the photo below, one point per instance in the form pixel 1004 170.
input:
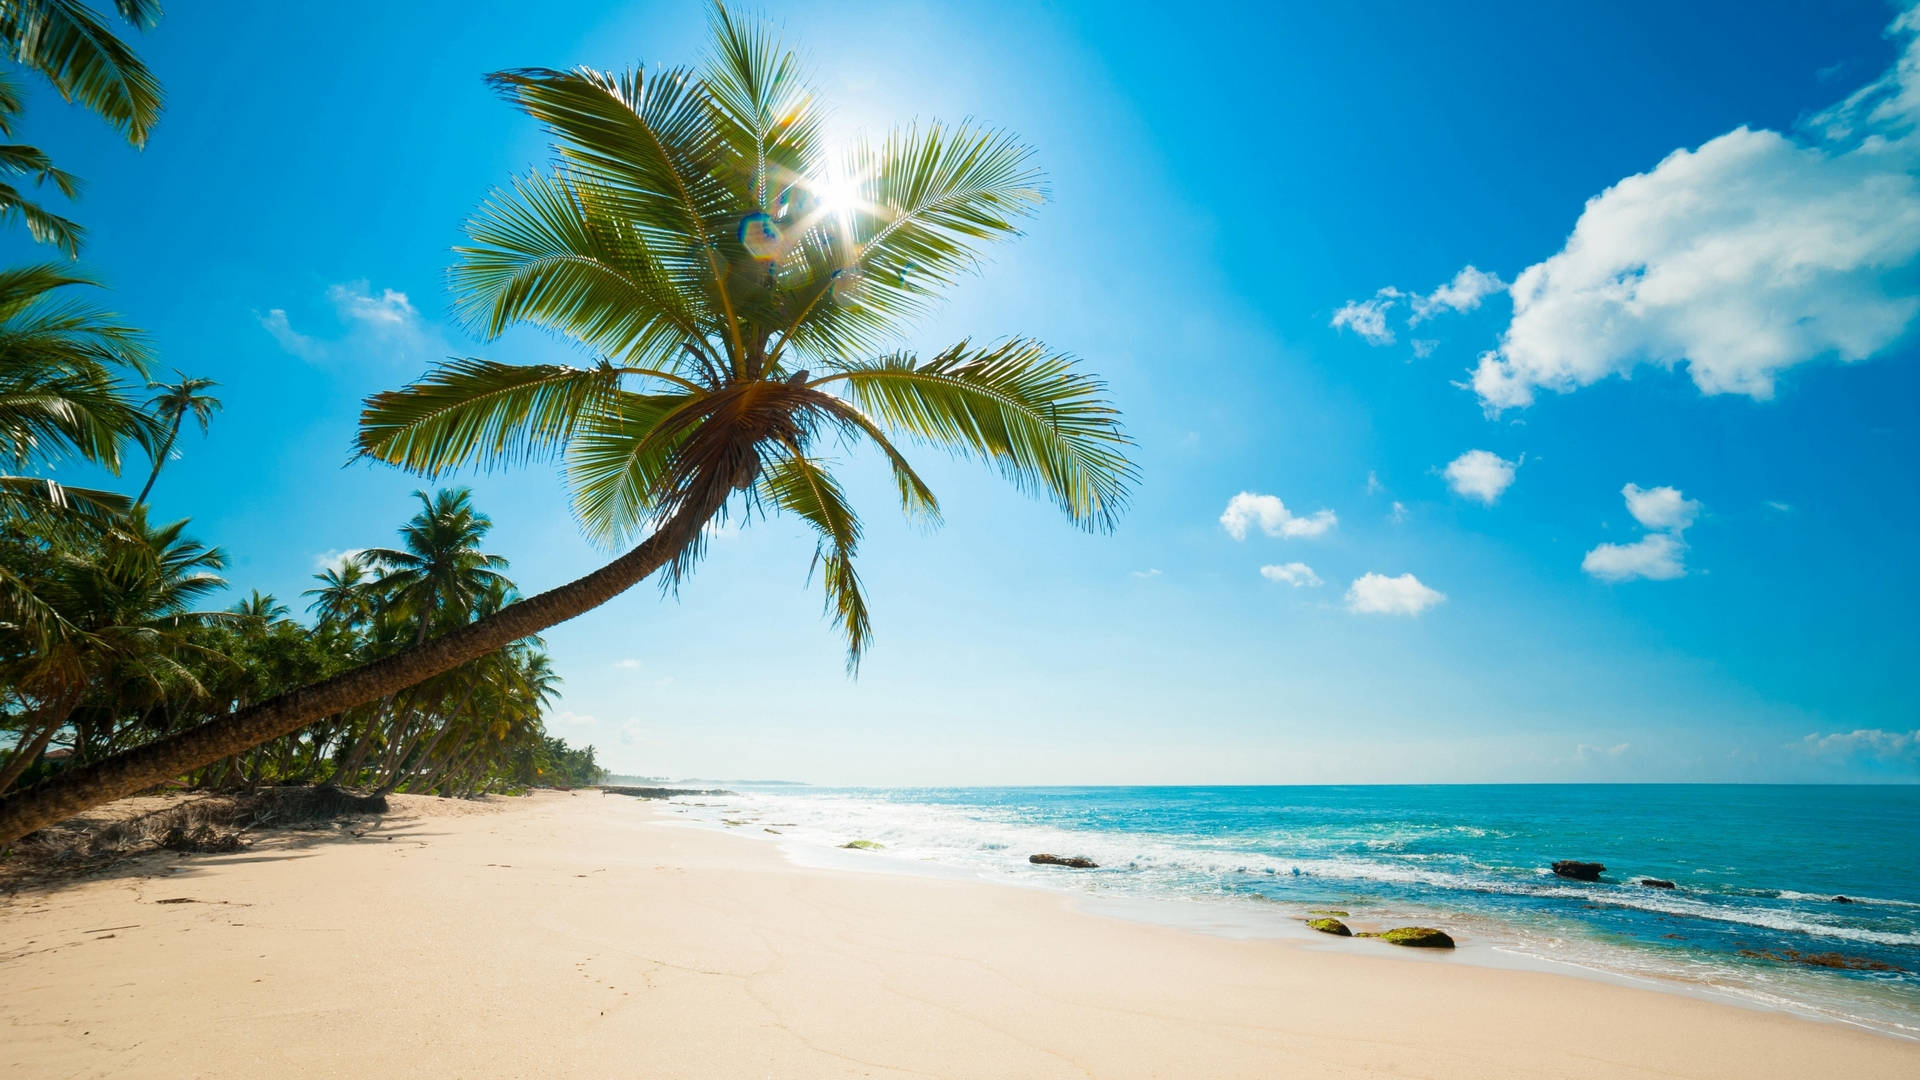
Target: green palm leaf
pixel 801 486
pixel 66 41
pixel 1047 426
pixel 468 412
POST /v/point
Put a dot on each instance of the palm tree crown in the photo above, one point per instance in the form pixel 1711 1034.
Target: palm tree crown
pixel 174 403
pixel 740 318
pixel 439 568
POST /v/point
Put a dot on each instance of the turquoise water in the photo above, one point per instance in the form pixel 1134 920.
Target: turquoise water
pixel 1757 868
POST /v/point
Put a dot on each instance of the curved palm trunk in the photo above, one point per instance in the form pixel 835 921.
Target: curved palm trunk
pixel 142 767
pixel 160 459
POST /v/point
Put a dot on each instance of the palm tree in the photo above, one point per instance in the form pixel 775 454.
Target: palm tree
pixel 439 568
pixel 125 607
pixel 176 401
pixel 739 321
pixel 346 593
pixel 72 47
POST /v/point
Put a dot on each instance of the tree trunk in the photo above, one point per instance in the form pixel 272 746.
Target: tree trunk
pixel 141 767
pixel 161 458
pixel 26 752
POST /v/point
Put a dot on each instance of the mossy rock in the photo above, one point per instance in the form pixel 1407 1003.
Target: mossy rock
pixel 1327 911
pixel 1330 926
pixel 1417 937
pixel 864 845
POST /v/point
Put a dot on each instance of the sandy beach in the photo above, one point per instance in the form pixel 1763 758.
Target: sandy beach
pixel 587 935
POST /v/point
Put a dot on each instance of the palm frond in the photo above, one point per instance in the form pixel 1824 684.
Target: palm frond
pixel 621 466
pixel 33 163
pixel 927 199
pixel 546 254
pixel 67 42
pixel 802 486
pixel 768 121
pixel 481 412
pixel 648 146
pixel 1048 427
pixel 45 226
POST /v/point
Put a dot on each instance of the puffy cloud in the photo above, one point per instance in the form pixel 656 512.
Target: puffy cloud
pixel 383 323
pixel 1295 574
pixel 1273 517
pixel 1480 474
pixel 391 310
pixel 1655 556
pixel 1463 293
pixel 1873 743
pixel 1368 318
pixel 1742 258
pixel 1378 594
pixel 1661 507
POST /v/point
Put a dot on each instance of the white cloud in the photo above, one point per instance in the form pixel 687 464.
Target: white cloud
pixel 390 311
pixel 1463 293
pixel 300 345
pixel 382 324
pixel 1145 574
pixel 1295 574
pixel 1661 507
pixel 1423 347
pixel 1399 513
pixel 1368 318
pixel 1779 507
pixel 630 663
pixel 1378 594
pixel 1480 474
pixel 1754 253
pixel 1655 556
pixel 1374 486
pixel 1866 742
pixel 334 559
pixel 1273 517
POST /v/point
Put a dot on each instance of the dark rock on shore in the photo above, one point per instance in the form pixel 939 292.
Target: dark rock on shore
pixel 1330 926
pixel 1078 862
pixel 1842 900
pixel 1414 937
pixel 1656 883
pixel 662 792
pixel 1577 870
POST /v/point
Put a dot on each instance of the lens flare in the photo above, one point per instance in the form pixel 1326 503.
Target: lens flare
pixel 760 235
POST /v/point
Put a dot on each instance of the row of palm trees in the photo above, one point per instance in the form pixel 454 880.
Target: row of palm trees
pixel 742 333
pixel 137 657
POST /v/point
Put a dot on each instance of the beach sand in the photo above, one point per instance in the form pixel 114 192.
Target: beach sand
pixel 589 935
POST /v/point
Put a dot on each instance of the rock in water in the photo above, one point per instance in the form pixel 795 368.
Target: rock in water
pixel 1418 937
pixel 1841 900
pixel 1578 871
pixel 1656 883
pixel 1330 926
pixel 1078 862
pixel 863 845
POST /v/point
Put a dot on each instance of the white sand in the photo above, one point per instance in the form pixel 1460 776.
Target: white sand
pixel 590 935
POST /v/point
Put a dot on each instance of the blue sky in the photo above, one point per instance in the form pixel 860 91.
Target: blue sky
pixel 1247 202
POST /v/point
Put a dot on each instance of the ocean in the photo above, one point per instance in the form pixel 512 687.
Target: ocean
pixel 1756 870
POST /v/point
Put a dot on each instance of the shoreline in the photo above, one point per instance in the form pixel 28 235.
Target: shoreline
pixel 1248 919
pixel 572 934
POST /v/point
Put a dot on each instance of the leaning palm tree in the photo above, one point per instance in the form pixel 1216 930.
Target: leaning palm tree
pixel 74 49
pixel 173 404
pixel 740 288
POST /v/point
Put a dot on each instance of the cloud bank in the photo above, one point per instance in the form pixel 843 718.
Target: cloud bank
pixel 1740 259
